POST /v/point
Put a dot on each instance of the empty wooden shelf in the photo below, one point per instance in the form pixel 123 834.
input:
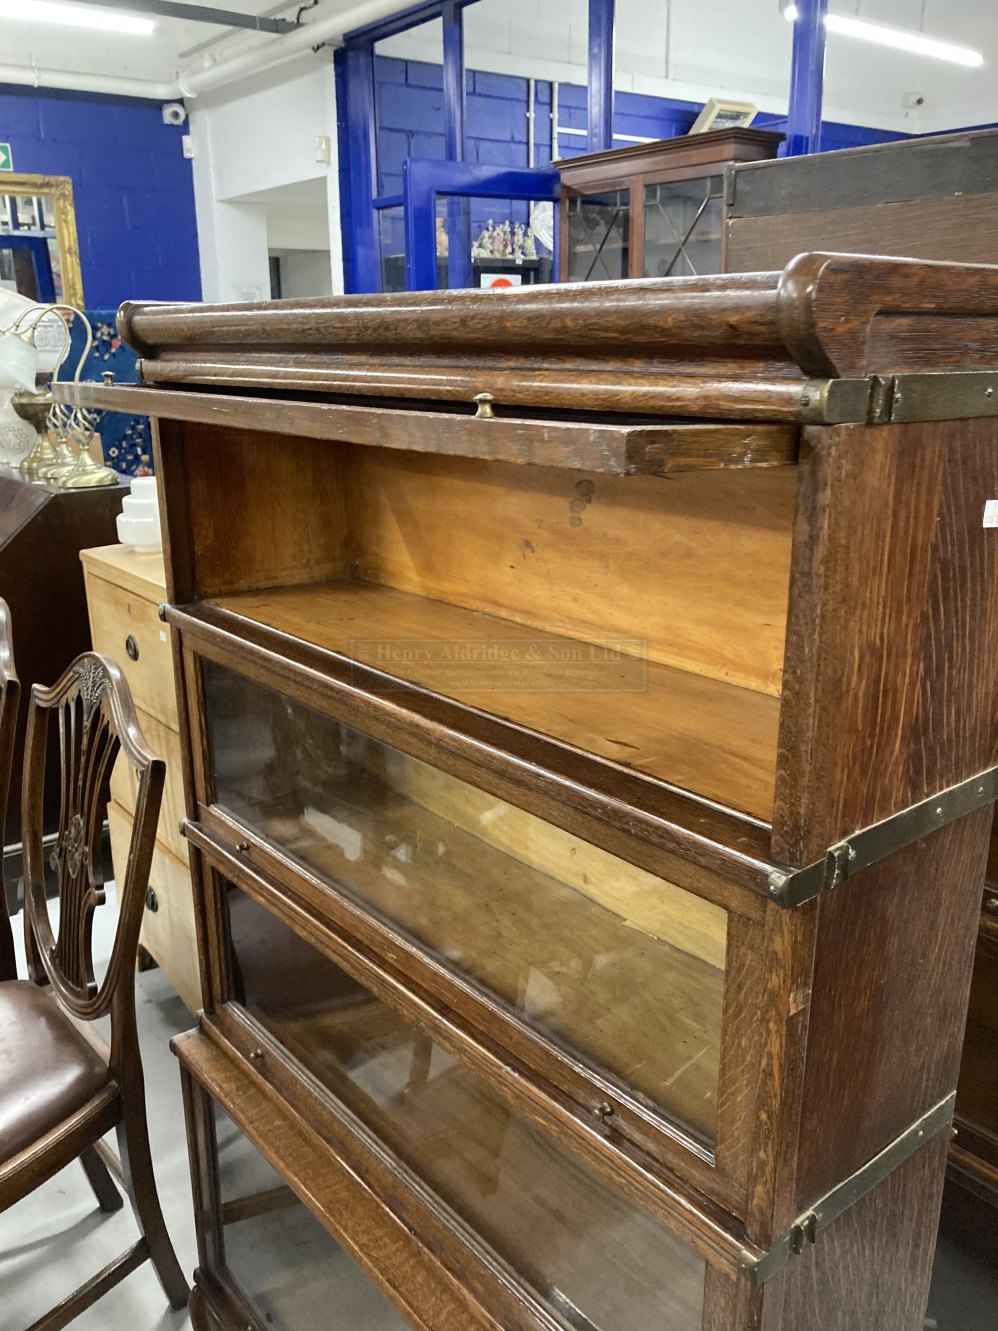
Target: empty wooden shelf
pixel 588 705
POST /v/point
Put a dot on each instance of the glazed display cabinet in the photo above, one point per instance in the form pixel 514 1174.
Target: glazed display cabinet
pixel 587 698
pixel 654 210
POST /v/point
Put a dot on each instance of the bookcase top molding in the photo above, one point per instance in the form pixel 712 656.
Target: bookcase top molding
pixel 820 342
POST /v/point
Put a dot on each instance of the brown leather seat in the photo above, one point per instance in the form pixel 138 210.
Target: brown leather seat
pixel 47 1069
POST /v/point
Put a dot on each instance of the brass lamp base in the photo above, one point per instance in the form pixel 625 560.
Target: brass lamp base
pixel 34 407
pixel 84 478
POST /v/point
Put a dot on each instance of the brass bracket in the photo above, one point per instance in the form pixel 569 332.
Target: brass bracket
pixel 792 887
pixel 899 398
pixel 818 1217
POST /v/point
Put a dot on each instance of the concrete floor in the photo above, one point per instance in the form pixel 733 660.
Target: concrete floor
pixel 55 1239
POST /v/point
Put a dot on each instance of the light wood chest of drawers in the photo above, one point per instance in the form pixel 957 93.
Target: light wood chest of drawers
pixel 124 592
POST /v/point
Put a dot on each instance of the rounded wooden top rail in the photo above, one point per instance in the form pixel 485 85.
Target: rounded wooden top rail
pixel 734 314
pixel 694 346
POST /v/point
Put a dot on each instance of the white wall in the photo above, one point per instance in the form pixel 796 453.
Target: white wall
pixel 254 143
pixel 305 273
pixel 693 49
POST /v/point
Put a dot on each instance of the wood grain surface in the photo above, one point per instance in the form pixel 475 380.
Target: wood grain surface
pixel 707 736
pixel 893 615
pixel 705 560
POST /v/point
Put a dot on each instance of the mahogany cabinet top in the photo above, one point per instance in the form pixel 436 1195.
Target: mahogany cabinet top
pixel 736 346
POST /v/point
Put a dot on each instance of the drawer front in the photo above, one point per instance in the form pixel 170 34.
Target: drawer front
pixel 127 628
pixel 168 932
pixel 572 1236
pixel 165 744
pixel 614 968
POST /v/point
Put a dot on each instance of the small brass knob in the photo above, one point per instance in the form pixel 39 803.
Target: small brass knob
pixel 131 648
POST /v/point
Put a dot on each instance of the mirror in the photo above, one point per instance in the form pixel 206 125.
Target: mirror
pixel 39 250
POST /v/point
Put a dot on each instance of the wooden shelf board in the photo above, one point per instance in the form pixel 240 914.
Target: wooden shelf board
pixel 706 736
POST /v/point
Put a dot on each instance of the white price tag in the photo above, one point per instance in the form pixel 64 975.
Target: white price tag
pixel 991 513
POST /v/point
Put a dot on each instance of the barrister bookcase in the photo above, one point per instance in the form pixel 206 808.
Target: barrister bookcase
pixel 588 705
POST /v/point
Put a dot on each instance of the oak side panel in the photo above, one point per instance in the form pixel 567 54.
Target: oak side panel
pixel 267 509
pixel 871 1269
pixel 889 1000
pixel 892 627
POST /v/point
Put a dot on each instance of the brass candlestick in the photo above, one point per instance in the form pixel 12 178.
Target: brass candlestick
pixel 60 420
pixel 86 472
pixel 34 407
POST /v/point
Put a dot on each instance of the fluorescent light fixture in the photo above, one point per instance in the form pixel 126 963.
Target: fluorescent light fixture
pixel 76 16
pixel 902 40
pixel 899 39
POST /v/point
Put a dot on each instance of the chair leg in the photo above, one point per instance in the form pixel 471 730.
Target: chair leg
pixel 140 1184
pixel 99 1176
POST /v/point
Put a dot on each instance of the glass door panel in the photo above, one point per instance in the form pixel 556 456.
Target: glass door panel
pixel 289 1267
pixel 683 220
pixel 598 236
pixel 624 969
pixel 599 1261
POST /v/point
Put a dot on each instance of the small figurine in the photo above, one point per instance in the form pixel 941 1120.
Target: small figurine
pixel 442 242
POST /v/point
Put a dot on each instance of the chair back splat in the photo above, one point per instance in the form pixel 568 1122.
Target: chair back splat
pixel 10 694
pixel 91 707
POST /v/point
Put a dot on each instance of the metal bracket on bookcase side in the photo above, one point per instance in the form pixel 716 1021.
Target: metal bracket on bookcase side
pixel 818 1217
pixel 898 398
pixel 792 887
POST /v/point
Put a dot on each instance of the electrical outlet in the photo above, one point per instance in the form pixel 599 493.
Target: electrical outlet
pixel 323 149
pixel 187 143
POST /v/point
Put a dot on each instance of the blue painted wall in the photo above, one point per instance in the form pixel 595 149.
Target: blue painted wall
pixel 409 112
pixel 132 185
pixel 409 123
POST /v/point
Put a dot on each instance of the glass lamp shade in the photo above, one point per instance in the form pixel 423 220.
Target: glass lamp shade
pixel 51 341
pixel 18 362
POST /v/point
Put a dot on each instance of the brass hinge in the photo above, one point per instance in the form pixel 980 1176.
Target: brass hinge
pixel 900 398
pixel 792 887
pixel 818 1217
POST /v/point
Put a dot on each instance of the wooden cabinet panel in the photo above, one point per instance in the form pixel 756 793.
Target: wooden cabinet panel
pixel 165 744
pixel 124 592
pixel 168 932
pixel 127 628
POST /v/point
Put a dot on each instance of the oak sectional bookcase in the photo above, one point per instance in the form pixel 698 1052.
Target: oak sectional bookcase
pixel 588 702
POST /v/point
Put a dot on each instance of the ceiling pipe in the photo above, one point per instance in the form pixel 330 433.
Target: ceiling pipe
pixel 33 76
pixel 319 32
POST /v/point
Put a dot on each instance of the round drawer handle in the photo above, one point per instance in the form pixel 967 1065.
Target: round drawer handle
pixel 152 901
pixel 131 648
pixel 991 905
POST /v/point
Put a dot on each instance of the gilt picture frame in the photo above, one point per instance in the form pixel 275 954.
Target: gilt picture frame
pixel 58 189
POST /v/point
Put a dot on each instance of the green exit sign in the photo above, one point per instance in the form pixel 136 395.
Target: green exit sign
pixel 6 160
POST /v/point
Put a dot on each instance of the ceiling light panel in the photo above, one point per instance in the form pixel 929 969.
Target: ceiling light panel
pixel 898 39
pixel 76 16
